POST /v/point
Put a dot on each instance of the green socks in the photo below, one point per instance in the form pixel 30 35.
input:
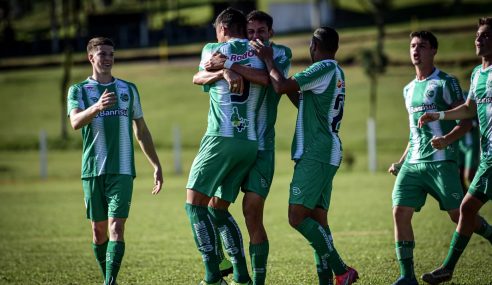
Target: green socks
pixel 404 253
pixel 205 239
pixel 259 257
pixel 325 273
pixel 325 251
pixel 458 245
pixel 233 242
pixel 485 230
pixel 114 256
pixel 100 253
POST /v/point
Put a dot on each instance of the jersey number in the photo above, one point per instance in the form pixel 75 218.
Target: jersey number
pixel 335 123
pixel 241 98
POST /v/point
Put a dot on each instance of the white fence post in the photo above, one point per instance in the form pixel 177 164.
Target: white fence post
pixel 43 155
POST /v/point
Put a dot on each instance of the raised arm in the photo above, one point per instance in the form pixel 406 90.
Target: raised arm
pixel 204 77
pixel 80 118
pixel 466 110
pixel 144 138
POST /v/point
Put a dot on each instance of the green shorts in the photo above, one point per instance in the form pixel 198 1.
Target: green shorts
pixel 469 150
pixel 479 187
pixel 312 184
pixel 107 195
pixel 439 179
pixel 221 165
pixel 260 176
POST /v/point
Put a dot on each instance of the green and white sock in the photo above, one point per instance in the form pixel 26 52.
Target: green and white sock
pixel 114 257
pixel 206 240
pixel 233 242
pixel 456 248
pixel 100 253
pixel 259 258
pixel 404 254
pixel 325 273
pixel 319 240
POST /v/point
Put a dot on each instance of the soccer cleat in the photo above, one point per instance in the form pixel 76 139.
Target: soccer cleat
pixel 347 278
pixel 225 267
pixel 220 282
pixel 406 281
pixel 437 276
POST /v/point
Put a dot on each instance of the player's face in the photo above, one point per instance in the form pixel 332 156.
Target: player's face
pixel 421 51
pixel 102 59
pixel 258 30
pixel 483 41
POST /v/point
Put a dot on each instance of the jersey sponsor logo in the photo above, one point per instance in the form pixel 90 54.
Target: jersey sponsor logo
pixel 239 57
pixel 124 97
pixel 422 108
pixel 313 69
pixel 237 121
pixel 113 113
pixel 485 100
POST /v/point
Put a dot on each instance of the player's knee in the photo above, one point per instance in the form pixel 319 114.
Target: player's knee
pixel 116 229
pixel 295 220
pixel 401 215
pixel 467 210
pixel 99 235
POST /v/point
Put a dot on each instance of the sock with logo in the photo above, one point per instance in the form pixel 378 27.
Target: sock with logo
pixel 485 230
pixel 325 273
pixel 456 248
pixel 404 254
pixel 319 240
pixel 114 257
pixel 259 256
pixel 100 253
pixel 206 240
pixel 233 242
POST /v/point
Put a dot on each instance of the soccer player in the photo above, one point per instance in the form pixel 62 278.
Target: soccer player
pixel 319 94
pixel 428 165
pixel 257 184
pixel 227 151
pixel 478 103
pixel 108 110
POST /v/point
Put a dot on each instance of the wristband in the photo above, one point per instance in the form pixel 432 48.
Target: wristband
pixel 441 115
pixel 228 64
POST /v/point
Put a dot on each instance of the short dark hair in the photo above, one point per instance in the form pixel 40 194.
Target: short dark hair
pixel 260 16
pixel 426 35
pixel 98 41
pixel 232 19
pixel 327 38
pixel 485 21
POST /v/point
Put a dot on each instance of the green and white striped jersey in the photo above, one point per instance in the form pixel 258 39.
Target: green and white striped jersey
pixel 321 104
pixel 233 115
pixel 481 93
pixel 267 115
pixel 438 92
pixel 107 142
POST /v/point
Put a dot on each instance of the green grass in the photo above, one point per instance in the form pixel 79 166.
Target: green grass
pixel 45 238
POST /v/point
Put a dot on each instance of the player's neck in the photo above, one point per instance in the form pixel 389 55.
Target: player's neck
pixel 423 72
pixel 486 61
pixel 102 78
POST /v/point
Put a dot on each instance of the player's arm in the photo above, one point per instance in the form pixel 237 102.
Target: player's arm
pixel 457 132
pixel 280 84
pixel 205 77
pixel 144 138
pixel 466 110
pixel 395 167
pixel 294 98
pixel 219 61
pixel 80 118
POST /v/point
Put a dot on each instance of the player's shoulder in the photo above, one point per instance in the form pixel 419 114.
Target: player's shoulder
pixel 476 69
pixel 122 82
pixel 79 85
pixel 211 47
pixel 283 49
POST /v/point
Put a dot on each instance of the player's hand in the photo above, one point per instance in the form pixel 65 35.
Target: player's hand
pixel 439 142
pixel 263 51
pixel 106 100
pixel 216 62
pixel 394 168
pixel 428 117
pixel 158 180
pixel 236 83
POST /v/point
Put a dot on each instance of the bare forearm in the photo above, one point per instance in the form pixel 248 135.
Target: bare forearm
pixel 294 98
pixel 458 131
pixel 147 145
pixel 207 77
pixel 276 77
pixel 257 76
pixel 463 111
pixel 82 118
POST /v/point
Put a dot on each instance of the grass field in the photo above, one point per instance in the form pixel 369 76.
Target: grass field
pixel 45 238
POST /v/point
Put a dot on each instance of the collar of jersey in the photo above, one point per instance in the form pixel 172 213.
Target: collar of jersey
pixel 92 80
pixel 237 40
pixel 434 73
pixel 486 69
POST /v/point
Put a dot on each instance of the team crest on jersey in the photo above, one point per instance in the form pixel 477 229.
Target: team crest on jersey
pixel 237 121
pixel 431 89
pixel 124 97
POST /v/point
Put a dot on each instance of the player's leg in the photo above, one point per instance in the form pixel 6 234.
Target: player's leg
pixel 253 206
pixel 324 269
pixel 408 196
pixel 97 212
pixel 119 189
